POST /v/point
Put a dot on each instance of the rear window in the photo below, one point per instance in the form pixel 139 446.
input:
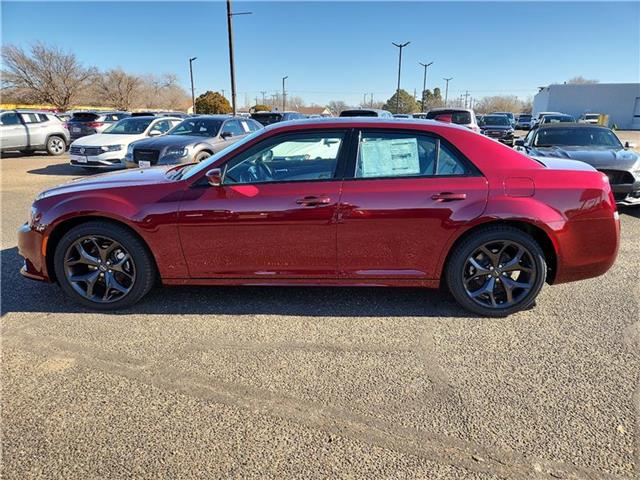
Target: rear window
pixel 358 113
pixel 458 117
pixel 524 117
pixel 267 118
pixel 84 117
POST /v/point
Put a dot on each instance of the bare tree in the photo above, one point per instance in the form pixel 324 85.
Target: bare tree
pixel 118 89
pixel 337 106
pixel 500 103
pixel 580 80
pixel 45 74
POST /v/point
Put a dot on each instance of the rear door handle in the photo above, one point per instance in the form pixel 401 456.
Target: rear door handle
pixel 313 201
pixel 448 196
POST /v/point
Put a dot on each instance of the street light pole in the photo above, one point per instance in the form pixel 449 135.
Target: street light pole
pixel 446 92
pixel 232 66
pixel 424 82
pixel 400 47
pixel 193 95
pixel 284 94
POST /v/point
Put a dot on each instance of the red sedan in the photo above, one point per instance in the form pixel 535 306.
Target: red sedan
pixel 331 202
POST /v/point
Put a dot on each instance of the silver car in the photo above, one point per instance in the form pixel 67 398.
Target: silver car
pixel 29 131
pixel 192 140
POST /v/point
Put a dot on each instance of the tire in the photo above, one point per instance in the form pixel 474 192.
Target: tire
pixel 56 145
pixel 487 294
pixel 201 156
pixel 139 262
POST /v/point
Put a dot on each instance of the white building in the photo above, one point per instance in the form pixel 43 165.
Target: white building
pixel 621 101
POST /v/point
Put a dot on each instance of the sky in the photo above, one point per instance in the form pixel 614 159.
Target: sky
pixel 342 50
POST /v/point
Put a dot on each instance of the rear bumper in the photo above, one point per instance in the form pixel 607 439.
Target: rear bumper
pixel 586 248
pixel 30 247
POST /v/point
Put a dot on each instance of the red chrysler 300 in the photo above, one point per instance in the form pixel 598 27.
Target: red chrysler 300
pixel 332 202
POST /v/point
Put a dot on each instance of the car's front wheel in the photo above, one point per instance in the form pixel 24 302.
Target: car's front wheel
pixel 496 271
pixel 201 156
pixel 103 265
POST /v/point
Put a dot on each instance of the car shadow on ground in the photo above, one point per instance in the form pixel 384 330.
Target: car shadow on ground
pixel 631 211
pixel 59 169
pixel 23 295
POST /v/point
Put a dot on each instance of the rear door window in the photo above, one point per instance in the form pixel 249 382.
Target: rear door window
pixel 398 154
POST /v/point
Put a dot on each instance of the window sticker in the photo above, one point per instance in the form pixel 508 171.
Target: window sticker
pixel 382 157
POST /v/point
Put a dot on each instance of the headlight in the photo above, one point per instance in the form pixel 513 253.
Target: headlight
pixel 34 220
pixel 176 151
pixel 111 148
pixel 130 149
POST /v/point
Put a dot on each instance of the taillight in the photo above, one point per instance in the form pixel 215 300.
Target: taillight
pixel 95 124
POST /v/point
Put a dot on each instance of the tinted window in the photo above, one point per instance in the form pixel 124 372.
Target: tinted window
pixel 267 118
pixel 287 158
pixel 10 118
pixel 524 117
pixel 557 119
pixel 358 113
pixel 201 127
pixel 130 126
pixel 576 137
pixel 385 155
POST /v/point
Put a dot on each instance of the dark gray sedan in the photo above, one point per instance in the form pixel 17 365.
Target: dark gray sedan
pixel 595 145
pixel 192 140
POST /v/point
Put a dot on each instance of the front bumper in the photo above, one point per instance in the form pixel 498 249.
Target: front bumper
pixel 128 161
pixel 106 161
pixel 31 246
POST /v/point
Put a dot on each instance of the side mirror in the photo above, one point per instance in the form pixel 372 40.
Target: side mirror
pixel 629 145
pixel 155 133
pixel 519 142
pixel 214 177
pixel 226 135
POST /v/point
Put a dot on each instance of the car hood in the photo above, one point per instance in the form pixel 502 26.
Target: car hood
pixel 598 157
pixel 496 127
pixel 102 139
pixel 121 178
pixel 173 141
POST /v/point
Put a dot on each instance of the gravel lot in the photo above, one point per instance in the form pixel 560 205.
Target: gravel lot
pixel 317 382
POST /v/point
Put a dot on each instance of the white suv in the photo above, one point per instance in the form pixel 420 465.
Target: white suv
pixel 107 150
pixel 28 131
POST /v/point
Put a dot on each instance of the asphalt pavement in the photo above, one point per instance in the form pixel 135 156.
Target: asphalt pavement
pixel 226 382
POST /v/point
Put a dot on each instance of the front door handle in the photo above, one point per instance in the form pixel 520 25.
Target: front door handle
pixel 448 196
pixel 313 201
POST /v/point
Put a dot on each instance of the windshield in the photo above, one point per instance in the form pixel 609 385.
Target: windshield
pixel 201 127
pixel 458 117
pixel 192 169
pixel 129 126
pixel 524 117
pixel 596 137
pixel 267 118
pixel 498 120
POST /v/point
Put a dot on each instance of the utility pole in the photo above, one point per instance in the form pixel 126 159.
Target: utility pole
pixel 446 91
pixel 371 101
pixel 466 97
pixel 400 47
pixel 284 94
pixel 193 94
pixel 232 66
pixel 263 92
pixel 424 83
pixel 364 100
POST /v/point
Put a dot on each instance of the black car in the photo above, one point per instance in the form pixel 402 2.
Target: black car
pixel 267 118
pixel 86 123
pixel 598 146
pixel 498 127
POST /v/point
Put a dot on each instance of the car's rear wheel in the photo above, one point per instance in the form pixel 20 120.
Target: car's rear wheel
pixel 202 156
pixel 496 271
pixel 103 266
pixel 56 145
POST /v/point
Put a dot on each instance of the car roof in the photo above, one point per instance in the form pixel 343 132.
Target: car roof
pixel 364 122
pixel 214 117
pixel 571 125
pixel 451 109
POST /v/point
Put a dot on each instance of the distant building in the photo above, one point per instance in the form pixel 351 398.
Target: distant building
pixel 621 101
